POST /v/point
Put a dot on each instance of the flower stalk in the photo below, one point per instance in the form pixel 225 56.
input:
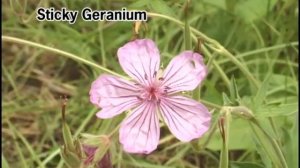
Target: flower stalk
pixel 57 51
pixel 244 112
pixel 224 124
pixel 187 32
pixel 279 155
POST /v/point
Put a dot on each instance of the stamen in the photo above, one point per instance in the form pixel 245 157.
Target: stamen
pixel 193 63
pixel 155 73
pixel 167 87
pixel 146 76
pixel 150 97
pixel 138 97
pixel 161 78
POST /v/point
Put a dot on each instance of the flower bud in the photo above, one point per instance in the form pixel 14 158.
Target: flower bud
pixel 70 158
pixel 96 150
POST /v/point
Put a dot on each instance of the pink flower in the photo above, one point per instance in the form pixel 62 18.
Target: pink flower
pixel 151 96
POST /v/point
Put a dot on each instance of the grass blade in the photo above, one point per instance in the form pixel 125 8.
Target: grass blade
pixel 4 162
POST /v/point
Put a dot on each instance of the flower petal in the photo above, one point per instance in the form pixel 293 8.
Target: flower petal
pixel 186 118
pixel 114 95
pixel 184 72
pixel 140 59
pixel 139 133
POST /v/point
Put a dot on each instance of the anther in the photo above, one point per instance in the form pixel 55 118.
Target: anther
pixel 167 87
pixel 155 73
pixel 139 98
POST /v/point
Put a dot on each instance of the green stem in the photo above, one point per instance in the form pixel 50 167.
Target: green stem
pixel 187 33
pixel 242 67
pixel 210 104
pixel 114 131
pixel 203 36
pixel 103 56
pixel 57 51
pixel 261 50
pixel 214 45
pixel 218 68
pixel 273 143
pixel 224 160
pixel 246 113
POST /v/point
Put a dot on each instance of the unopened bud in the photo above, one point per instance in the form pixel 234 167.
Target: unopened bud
pixel 70 158
pixel 67 136
pixel 96 149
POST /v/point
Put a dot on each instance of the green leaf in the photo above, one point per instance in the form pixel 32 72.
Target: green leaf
pixel 179 154
pixel 250 10
pixel 265 159
pixel 264 146
pixel 213 95
pixel 139 4
pixel 245 165
pixel 162 7
pixel 196 93
pixel 265 123
pixel 232 88
pixel 217 3
pixel 239 139
pixel 230 4
pixel 280 110
pixel 234 93
pixel 78 147
pixel 138 162
pixel 226 100
pixel 282 80
pixel 290 144
pixel 262 92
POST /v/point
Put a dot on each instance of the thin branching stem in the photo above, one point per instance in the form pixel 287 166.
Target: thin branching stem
pixel 57 51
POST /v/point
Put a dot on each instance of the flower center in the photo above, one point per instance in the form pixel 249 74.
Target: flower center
pixel 151 93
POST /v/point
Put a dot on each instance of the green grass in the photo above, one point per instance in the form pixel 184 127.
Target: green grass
pixel 253 41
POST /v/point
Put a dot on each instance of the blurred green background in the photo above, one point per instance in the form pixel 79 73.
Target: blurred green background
pixel 262 35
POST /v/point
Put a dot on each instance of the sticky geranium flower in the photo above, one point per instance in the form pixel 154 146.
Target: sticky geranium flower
pixel 151 94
